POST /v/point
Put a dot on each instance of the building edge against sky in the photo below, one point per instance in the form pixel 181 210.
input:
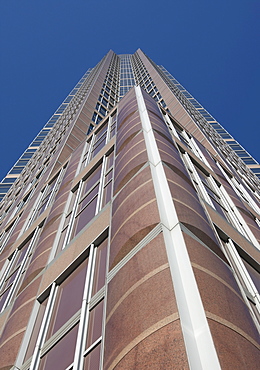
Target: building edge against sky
pixel 195 109
pixel 131 237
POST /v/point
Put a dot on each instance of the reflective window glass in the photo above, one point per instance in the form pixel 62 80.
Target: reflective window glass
pixel 95 323
pixel 100 267
pixel 62 354
pixel 69 298
pixel 92 359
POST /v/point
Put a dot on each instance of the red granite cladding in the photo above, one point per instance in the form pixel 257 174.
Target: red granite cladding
pixel 128 130
pixel 134 215
pixel 142 312
pixel 123 106
pixel 234 350
pixel 126 119
pixel 203 257
pixel 130 159
pixel 16 324
pixel 216 284
pixel 168 151
pixel 233 309
pixel 156 118
pixel 163 349
pixel 126 112
pixel 130 146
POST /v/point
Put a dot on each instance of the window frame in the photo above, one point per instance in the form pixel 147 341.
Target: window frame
pixel 81 317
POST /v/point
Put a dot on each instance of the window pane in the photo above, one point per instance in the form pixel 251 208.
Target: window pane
pixel 91 180
pixel 84 217
pixel 89 197
pixel 253 274
pixel 95 324
pixel 101 132
pixel 100 267
pixel 62 354
pixel 36 329
pixel 108 176
pixel 69 298
pixel 98 146
pixel 92 359
pixel 110 160
pixel 107 193
pixel 61 240
pixel 3 297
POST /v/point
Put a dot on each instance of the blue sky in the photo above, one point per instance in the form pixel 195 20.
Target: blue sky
pixel 212 48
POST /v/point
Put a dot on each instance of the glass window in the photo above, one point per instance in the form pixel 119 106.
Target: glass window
pixel 63 332
pixel 66 226
pixel 255 276
pixel 62 354
pixel 92 179
pixel 108 178
pixel 87 213
pixel 36 329
pixel 68 299
pixel 95 324
pixel 14 271
pixel 98 145
pixel 100 267
pixel 46 197
pixel 87 206
pixel 92 359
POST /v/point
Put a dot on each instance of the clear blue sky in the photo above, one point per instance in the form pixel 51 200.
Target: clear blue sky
pixel 211 47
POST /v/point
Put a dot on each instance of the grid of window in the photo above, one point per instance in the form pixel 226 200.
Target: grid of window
pixel 145 81
pixel 92 193
pixel 199 114
pixel 176 130
pixel 8 181
pixel 68 328
pixel 126 74
pixel 245 195
pixel 109 93
pixel 14 269
pixel 215 195
pixel 6 234
pixel 99 139
pixel 247 276
pixel 45 197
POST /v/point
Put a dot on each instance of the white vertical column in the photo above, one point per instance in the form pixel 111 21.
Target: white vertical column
pixel 199 344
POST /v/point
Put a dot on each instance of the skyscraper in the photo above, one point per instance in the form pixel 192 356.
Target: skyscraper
pixel 130 237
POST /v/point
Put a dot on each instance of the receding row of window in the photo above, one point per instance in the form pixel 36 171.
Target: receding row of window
pixel 70 316
pixel 90 196
pixel 208 187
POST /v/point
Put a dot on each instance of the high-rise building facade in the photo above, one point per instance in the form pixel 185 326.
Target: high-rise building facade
pixel 130 237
